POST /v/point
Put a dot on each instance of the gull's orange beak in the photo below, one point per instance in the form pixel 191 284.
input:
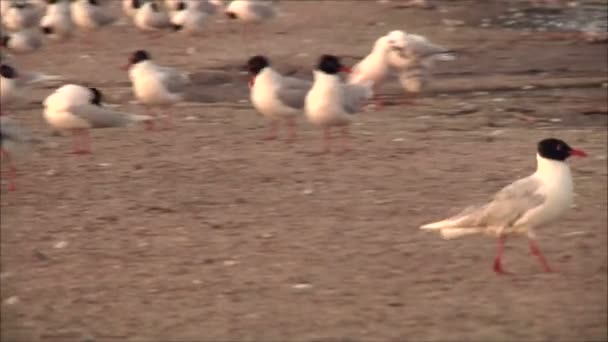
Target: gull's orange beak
pixel 346 69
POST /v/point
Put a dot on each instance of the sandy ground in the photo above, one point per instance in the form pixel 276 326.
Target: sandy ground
pixel 206 233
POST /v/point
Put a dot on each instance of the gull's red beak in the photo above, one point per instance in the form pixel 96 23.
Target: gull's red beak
pixel 126 66
pixel 346 69
pixel 578 153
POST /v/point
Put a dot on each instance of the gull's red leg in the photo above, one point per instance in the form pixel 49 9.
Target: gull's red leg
pixel 291 123
pixel 272 132
pixel 541 258
pixel 326 140
pixel 12 172
pixel 345 139
pixel 81 141
pixel 499 251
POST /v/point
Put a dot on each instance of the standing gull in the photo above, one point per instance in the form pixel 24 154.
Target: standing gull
pixel 77 109
pixel 522 206
pixel 155 85
pixel 331 103
pixel 275 96
pixel 412 57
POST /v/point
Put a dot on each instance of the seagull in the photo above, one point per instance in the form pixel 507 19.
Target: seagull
pixel 90 14
pixel 20 15
pixel 374 67
pixel 130 7
pixel 332 103
pixel 57 22
pixel 150 17
pixel 13 139
pixel 188 19
pixel 23 42
pixel 522 206
pixel 77 109
pixel 250 10
pixel 411 57
pixel 155 85
pixel 275 96
pixel 208 7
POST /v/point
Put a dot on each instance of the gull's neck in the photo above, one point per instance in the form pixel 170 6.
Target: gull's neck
pixel 548 169
pixel 321 76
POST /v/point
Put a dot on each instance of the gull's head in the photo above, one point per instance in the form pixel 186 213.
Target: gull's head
pixel 556 149
pixel 51 2
pixel 256 64
pixel 331 65
pixel 396 39
pixel 4 41
pixel 137 57
pixel 181 6
pixel 96 96
pixel 7 71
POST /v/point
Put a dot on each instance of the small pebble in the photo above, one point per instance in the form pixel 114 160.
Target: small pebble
pixel 230 262
pixel 60 244
pixel 555 120
pixel 308 191
pixel 12 300
pixel 398 140
pixel 301 286
pixel 50 172
pixel 528 87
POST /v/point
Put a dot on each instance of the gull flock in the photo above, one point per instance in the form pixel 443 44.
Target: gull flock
pixel 330 101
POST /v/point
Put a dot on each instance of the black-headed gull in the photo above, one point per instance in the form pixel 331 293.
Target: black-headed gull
pixel 188 19
pixel 154 85
pixel 91 14
pixel 77 109
pixel 24 41
pixel 275 96
pixel 57 22
pixel 522 206
pixel 250 10
pixel 332 103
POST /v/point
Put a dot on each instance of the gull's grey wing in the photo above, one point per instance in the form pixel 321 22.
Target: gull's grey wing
pixel 419 47
pixel 262 9
pixel 158 20
pixel 507 206
pixel 100 117
pixel 101 16
pixel 355 96
pixel 173 79
pixel 293 82
pixel 11 131
pixel 292 97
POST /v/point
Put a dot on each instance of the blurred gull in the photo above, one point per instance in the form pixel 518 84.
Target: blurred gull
pixel 57 22
pixel 151 18
pixel 250 10
pixel 22 42
pixel 528 203
pixel 77 109
pixel 188 19
pixel 412 57
pixel 91 14
pixel 331 103
pixel 20 15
